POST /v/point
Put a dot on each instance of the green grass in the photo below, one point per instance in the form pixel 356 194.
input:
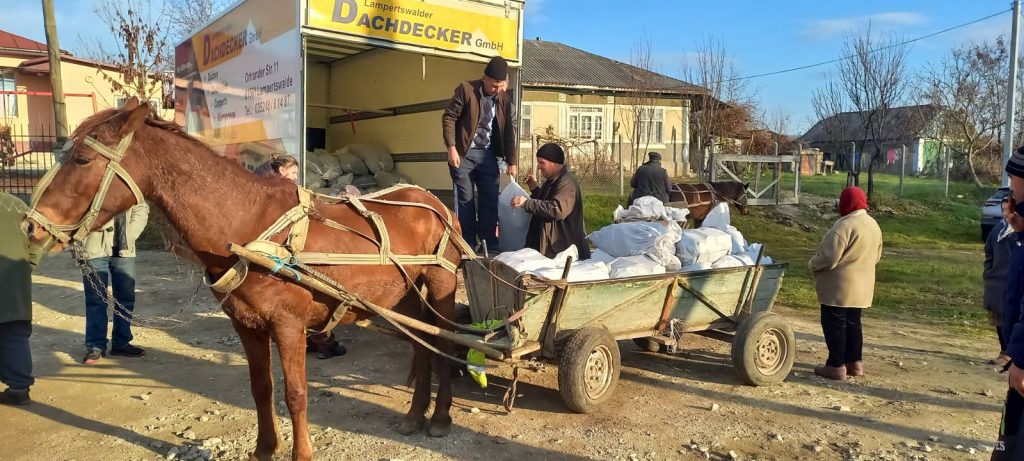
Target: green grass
pixel 930 271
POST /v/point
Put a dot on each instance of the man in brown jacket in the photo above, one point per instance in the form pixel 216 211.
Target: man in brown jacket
pixel 556 206
pixel 479 128
pixel 844 271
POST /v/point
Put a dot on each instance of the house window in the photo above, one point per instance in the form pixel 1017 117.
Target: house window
pixel 651 122
pixel 586 122
pixel 8 102
pixel 526 122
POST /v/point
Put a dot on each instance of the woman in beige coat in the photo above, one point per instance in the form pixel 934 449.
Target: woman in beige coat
pixel 844 278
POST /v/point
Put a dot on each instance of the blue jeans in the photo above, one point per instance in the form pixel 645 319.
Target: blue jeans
pixel 121 274
pixel 478 168
pixel 15 355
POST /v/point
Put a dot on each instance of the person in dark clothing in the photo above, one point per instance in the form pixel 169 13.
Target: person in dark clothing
pixel 17 259
pixel 1007 448
pixel 650 180
pixel 998 247
pixel 556 206
pixel 479 128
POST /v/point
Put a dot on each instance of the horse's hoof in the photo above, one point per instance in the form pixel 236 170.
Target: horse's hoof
pixel 256 457
pixel 438 430
pixel 410 427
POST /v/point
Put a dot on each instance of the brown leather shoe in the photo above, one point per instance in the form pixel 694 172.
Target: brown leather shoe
pixel 855 368
pixel 834 373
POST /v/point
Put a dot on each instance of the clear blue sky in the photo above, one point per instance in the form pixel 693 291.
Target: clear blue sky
pixel 761 36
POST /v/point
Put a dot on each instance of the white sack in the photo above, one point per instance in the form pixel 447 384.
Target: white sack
pixel 376 158
pixel 513 223
pixel 632 266
pixel 637 238
pixel 728 261
pixel 579 272
pixel 739 244
pixel 718 217
pixel 601 255
pixel 703 245
pixel 696 267
pixel 526 260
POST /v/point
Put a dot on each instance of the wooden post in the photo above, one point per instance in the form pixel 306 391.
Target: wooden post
pixel 675 159
pixel 799 169
pixel 712 163
pixel 56 82
pixel 947 170
pixel 903 166
pixel 777 173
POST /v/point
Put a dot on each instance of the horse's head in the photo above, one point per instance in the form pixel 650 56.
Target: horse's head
pixel 733 192
pixel 99 176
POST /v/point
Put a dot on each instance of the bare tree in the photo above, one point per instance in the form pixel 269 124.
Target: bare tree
pixel 188 16
pixel 870 80
pixel 139 51
pixel 970 85
pixel 640 100
pixel 726 108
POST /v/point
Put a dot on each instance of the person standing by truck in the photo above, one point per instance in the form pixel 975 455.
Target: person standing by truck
pixel 479 128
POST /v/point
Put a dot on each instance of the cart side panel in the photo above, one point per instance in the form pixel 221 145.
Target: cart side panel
pixel 490 298
pixel 768 288
pixel 722 288
pixel 620 306
pixel 536 315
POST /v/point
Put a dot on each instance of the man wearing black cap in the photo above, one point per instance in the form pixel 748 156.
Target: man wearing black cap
pixel 650 180
pixel 479 127
pixel 556 206
pixel 1009 447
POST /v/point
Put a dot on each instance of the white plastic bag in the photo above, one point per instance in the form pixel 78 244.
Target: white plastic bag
pixel 633 266
pixel 526 260
pixel 643 208
pixel 578 272
pixel 376 158
pixel 703 245
pixel 728 261
pixel 677 214
pixel 571 252
pixel 718 217
pixel 514 223
pixel 739 244
pixel 696 267
pixel 601 255
pixel 752 251
pixel 637 238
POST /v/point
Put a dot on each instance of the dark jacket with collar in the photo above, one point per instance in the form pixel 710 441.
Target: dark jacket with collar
pixel 1013 327
pixel 17 259
pixel 460 119
pixel 650 179
pixel 556 222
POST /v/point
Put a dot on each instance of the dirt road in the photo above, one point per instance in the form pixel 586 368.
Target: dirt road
pixel 928 395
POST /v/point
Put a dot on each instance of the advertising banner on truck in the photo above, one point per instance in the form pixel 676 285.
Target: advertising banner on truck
pixel 450 25
pixel 238 81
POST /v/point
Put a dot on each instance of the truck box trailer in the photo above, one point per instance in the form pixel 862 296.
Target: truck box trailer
pixel 268 77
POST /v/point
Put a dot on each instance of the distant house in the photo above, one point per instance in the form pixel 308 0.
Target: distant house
pixel 26 101
pixel 905 126
pixel 583 97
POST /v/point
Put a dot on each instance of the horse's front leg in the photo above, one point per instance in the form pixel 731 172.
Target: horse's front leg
pixel 257 352
pixel 291 345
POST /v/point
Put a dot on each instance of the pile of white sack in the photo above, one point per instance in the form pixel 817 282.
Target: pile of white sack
pixel 635 248
pixel 649 208
pixel 366 167
pixel 716 244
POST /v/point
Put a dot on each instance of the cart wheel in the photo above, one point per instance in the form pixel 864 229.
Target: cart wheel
pixel 649 345
pixel 763 349
pixel 589 369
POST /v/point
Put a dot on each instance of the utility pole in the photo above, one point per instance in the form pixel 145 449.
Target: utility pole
pixel 60 114
pixel 1011 98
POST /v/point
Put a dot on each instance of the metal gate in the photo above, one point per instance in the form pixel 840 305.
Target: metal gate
pixel 770 194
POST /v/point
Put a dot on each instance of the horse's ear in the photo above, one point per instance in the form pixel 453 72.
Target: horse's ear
pixel 130 104
pixel 136 118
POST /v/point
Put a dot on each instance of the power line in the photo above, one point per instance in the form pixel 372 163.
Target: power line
pixel 894 45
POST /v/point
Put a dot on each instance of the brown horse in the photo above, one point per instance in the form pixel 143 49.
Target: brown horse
pixel 701 198
pixel 213 201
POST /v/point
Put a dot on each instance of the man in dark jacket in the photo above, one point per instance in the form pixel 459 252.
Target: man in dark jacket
pixel 479 128
pixel 650 180
pixel 1008 447
pixel 16 263
pixel 998 250
pixel 556 206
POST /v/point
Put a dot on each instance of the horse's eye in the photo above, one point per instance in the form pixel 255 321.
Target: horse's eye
pixel 82 160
